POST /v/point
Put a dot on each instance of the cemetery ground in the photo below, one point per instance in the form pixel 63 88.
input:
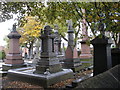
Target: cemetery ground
pixel 7 83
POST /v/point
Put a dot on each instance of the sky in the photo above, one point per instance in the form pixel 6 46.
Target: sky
pixel 4 30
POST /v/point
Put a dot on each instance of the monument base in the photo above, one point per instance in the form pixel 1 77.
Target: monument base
pixel 28 75
pixel 73 63
pixel 6 67
pixel 86 56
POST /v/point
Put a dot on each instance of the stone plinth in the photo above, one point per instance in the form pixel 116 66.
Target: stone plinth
pixel 71 55
pixel 27 75
pixel 48 70
pixel 14 57
pixel 71 59
pixel 102 54
pixel 85 51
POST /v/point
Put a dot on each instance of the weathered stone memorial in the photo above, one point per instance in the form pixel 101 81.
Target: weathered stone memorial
pixel 57 41
pixel 85 48
pixel 57 44
pixel 102 54
pixel 14 57
pixel 71 56
pixel 48 69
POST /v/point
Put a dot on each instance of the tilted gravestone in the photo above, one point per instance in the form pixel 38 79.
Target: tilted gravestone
pixel 14 57
pixel 71 55
pixel 102 54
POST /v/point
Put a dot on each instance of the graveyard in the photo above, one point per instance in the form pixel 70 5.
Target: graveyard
pixel 52 46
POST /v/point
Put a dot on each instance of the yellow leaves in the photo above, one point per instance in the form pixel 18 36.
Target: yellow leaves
pixel 30 30
pixel 32 27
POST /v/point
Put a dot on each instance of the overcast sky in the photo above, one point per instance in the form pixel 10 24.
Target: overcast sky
pixel 4 30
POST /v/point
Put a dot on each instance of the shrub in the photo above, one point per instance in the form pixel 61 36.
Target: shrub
pixel 2 54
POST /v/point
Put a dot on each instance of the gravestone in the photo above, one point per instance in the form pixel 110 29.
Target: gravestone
pixel 85 48
pixel 14 57
pixel 37 52
pixel 115 52
pixel 102 54
pixel 57 41
pixel 71 55
pixel 48 69
pixel 48 57
pixel 57 45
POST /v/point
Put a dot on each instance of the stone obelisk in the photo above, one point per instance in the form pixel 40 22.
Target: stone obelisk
pixel 71 55
pixel 85 48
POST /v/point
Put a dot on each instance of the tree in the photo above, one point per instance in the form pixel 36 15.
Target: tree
pixel 97 14
pixel 30 32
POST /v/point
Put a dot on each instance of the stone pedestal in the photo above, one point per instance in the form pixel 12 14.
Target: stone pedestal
pixel 14 57
pixel 71 55
pixel 71 59
pixel 102 54
pixel 85 51
pixel 48 69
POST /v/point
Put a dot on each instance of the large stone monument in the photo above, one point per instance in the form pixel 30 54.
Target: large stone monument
pixel 102 54
pixel 14 57
pixel 85 48
pixel 48 59
pixel 48 69
pixel 71 55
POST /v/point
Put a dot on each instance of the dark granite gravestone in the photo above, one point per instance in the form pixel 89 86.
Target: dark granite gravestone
pixel 48 58
pixel 14 57
pixel 102 54
pixel 115 52
pixel 48 69
pixel 71 55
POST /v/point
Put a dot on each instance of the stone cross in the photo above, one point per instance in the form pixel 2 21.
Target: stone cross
pixel 48 57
